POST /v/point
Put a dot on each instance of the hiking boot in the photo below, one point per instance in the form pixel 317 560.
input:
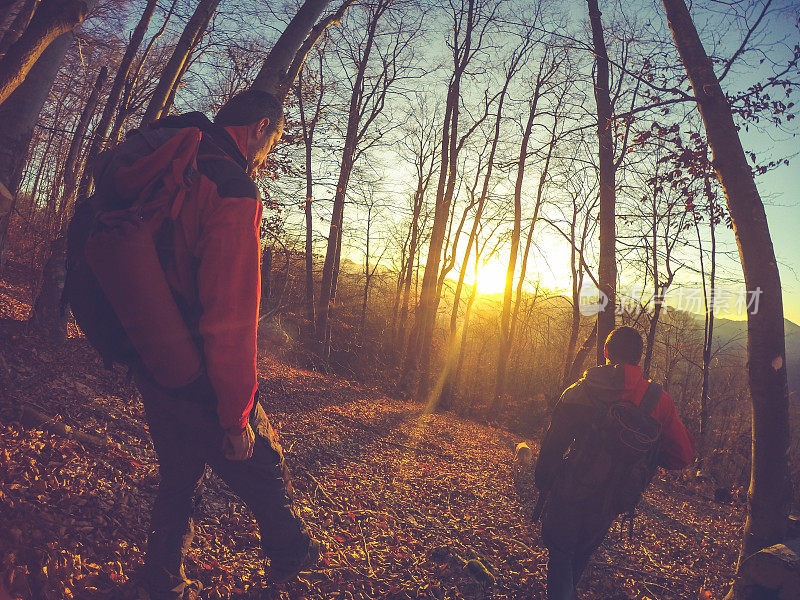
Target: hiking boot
pixel 285 570
pixel 163 585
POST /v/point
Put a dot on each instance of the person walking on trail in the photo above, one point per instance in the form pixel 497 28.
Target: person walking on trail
pixel 618 427
pixel 201 398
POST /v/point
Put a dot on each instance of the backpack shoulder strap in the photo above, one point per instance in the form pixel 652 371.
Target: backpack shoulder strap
pixel 651 397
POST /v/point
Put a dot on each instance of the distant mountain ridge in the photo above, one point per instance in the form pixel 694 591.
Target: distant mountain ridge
pixel 728 331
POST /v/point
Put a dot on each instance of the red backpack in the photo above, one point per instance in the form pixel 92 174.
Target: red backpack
pixel 117 243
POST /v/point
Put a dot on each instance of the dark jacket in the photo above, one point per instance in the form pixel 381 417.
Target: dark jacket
pixel 586 401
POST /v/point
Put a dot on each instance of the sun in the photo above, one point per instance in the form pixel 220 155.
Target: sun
pixel 491 276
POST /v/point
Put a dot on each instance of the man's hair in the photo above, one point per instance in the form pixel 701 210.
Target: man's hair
pixel 249 107
pixel 624 345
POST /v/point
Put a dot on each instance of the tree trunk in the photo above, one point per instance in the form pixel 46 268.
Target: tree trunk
pixel 367 277
pixel 273 75
pixel 607 266
pixel 127 89
pixel 577 272
pixel 308 128
pixel 71 163
pixel 18 115
pixel 47 316
pixel 418 355
pixel 770 494
pixel 100 132
pixel 457 343
pixel 18 25
pixel 708 338
pixel 6 8
pixel 708 325
pixel 352 138
pixel 419 198
pixel 266 278
pixel 53 19
pixel 401 279
pixel 170 101
pixel 485 190
pixel 581 355
pixel 193 31
pixel 506 322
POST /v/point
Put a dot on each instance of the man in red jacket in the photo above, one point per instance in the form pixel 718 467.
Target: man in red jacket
pixel 572 531
pixel 212 265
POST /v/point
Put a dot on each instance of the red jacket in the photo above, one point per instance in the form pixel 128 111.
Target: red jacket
pixel 582 403
pixel 218 265
pixel 214 269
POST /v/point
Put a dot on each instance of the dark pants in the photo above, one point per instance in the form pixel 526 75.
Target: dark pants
pixel 572 533
pixel 187 436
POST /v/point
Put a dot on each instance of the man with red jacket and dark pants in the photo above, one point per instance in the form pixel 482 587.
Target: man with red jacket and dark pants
pixel 573 531
pixel 212 267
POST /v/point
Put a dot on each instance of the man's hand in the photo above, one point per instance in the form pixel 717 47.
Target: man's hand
pixel 238 445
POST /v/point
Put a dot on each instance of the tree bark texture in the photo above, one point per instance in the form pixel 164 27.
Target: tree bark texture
pixel 770 493
pixel 607 265
pixel 286 58
pixel 52 19
pixel 18 25
pixel 18 116
pixel 193 31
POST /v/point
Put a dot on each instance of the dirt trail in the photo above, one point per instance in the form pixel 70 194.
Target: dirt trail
pixel 400 498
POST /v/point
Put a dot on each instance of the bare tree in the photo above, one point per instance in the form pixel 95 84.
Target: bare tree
pixel 18 116
pixel 71 164
pixel 607 268
pixel 193 31
pixel 367 101
pixel 309 126
pixel 100 132
pixel 547 68
pixel 769 497
pixel 709 293
pixel 422 140
pixel 52 19
pixel 470 24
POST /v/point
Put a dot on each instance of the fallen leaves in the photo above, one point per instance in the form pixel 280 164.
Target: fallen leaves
pixel 407 505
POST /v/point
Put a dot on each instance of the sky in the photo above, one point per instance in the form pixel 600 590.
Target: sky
pixel 781 191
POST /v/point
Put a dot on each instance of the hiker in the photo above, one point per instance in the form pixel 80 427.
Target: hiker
pixel 188 180
pixel 606 469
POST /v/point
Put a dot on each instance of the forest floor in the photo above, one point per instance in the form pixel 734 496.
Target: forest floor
pixel 399 498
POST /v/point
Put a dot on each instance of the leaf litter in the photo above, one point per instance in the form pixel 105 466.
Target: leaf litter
pixel 406 504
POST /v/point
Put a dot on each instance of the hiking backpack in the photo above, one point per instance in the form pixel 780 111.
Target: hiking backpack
pixel 608 470
pixel 117 245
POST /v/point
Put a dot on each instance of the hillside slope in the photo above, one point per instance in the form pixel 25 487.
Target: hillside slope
pixel 734 334
pixel 389 490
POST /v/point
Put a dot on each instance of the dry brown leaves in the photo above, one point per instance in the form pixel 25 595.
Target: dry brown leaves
pixel 407 504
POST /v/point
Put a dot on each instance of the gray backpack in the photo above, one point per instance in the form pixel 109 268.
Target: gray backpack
pixel 608 469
